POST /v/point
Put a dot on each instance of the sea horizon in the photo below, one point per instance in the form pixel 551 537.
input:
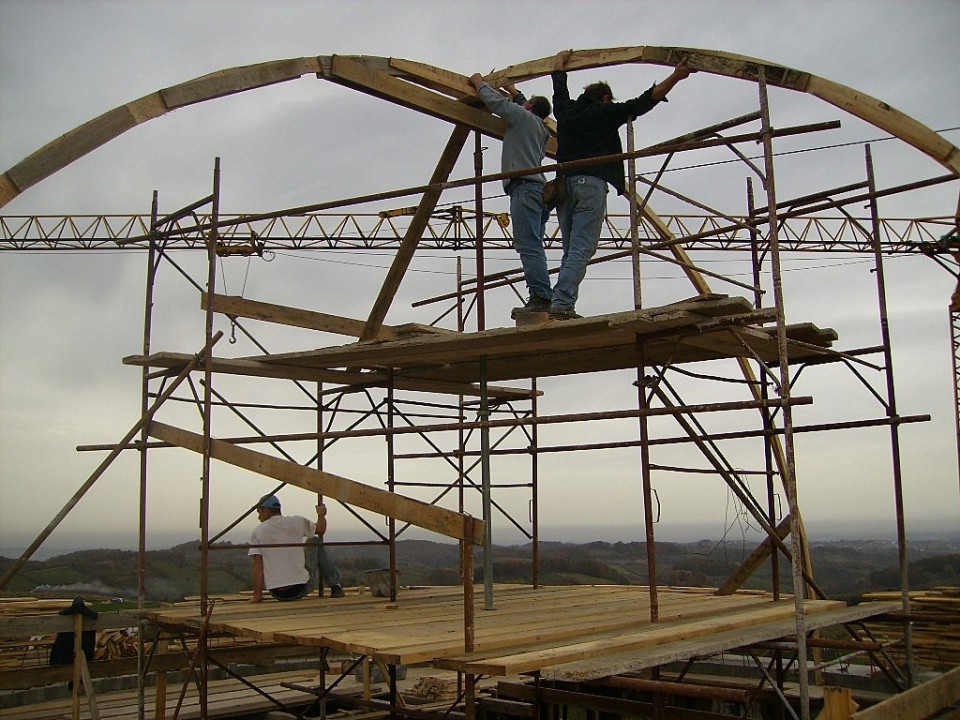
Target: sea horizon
pixel 863 531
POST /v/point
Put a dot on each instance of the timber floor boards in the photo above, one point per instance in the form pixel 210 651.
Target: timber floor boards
pixel 225 698
pixel 528 628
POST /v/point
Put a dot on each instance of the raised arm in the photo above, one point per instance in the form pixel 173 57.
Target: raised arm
pixel 496 102
pixel 680 72
pixel 321 520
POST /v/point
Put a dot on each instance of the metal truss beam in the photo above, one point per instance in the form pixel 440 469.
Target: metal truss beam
pixel 454 229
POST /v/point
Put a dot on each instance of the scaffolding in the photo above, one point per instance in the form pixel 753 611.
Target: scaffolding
pixel 391 369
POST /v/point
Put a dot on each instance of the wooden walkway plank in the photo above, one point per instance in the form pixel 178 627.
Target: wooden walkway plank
pixel 536 659
pixel 637 660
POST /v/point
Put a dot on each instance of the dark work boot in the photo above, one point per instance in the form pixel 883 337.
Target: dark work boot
pixel 535 304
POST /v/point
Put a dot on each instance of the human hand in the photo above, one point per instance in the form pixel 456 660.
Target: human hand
pixel 476 79
pixel 511 89
pixel 321 510
pixel 682 69
pixel 561 59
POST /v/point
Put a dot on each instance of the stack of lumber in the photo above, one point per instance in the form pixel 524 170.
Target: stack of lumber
pixel 16 606
pixel 225 699
pixel 113 644
pixel 433 688
pixel 935 626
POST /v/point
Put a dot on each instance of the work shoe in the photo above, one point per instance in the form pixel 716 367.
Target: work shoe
pixel 535 304
pixel 336 591
pixel 564 314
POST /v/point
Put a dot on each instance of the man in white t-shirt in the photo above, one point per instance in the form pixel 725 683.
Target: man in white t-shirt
pixel 280 564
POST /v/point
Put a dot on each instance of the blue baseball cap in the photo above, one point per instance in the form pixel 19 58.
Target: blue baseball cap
pixel 269 501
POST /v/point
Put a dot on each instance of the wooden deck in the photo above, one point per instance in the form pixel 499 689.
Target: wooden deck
pixel 689 331
pixel 707 328
pixel 528 629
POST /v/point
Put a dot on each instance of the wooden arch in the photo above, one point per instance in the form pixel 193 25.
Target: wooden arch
pixel 416 85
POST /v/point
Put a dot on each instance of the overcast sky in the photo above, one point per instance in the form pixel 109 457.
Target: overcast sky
pixel 67 319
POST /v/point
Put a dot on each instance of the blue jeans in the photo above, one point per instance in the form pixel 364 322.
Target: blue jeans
pixel 581 218
pixel 316 558
pixel 529 219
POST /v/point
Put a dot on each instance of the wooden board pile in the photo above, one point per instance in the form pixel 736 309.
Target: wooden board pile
pixel 115 644
pixel 432 688
pixel 935 629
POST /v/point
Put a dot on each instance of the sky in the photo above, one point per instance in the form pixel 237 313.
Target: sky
pixel 68 318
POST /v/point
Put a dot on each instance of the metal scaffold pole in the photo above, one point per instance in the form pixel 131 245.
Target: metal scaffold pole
pixel 205 604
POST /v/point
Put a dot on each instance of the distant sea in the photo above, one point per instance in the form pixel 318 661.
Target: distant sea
pixel 60 544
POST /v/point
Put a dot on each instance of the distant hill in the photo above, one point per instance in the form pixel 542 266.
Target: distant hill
pixel 843 569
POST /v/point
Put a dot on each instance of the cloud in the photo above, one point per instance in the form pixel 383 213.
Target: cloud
pixel 67 320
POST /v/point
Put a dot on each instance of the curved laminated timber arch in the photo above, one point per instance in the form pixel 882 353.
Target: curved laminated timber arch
pixel 383 77
pixel 707 328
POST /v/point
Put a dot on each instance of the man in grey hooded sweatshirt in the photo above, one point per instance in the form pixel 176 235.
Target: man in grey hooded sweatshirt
pixel 524 147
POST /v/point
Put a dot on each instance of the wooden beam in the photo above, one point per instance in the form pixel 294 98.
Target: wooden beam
pixel 242 307
pixel 749 566
pixel 430 517
pixel 347 379
pixel 454 84
pixel 922 701
pixel 459 87
pixel 874 111
pixel 632 662
pixel 94 133
pixel 359 75
pixel 414 231
pixel 87 137
pixel 521 661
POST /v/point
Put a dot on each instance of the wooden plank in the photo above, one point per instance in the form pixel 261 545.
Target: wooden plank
pixel 255 368
pixel 24 626
pixel 235 306
pixel 237 79
pixel 226 699
pixel 872 110
pixel 922 701
pixel 706 646
pixel 70 147
pixel 81 140
pixel 440 520
pixel 537 659
pixel 457 86
pixel 411 238
pixel 837 704
pixel 94 133
pixel 454 84
pixel 360 75
pixel 531 341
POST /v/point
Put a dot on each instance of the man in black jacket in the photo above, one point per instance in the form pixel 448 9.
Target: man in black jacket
pixel 590 127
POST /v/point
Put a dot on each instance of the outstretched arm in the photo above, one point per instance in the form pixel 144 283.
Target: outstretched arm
pixel 680 72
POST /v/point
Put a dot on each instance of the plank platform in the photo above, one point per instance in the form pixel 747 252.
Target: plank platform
pixel 529 628
pixel 707 328
pixel 690 331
